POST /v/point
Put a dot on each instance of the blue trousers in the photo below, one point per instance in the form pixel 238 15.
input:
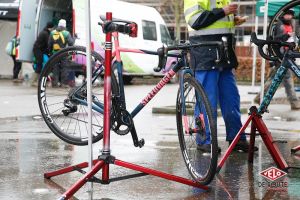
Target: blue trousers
pixel 220 87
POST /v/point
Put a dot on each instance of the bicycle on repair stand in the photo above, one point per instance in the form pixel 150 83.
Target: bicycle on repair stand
pixel 65 109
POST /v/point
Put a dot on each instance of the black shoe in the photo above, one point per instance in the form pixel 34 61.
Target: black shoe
pixel 206 148
pixel 243 145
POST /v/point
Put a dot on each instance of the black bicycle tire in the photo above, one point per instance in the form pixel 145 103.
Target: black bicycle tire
pixel 285 7
pixel 53 59
pixel 214 159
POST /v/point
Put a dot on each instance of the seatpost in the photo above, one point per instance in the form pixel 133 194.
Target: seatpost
pixel 107 100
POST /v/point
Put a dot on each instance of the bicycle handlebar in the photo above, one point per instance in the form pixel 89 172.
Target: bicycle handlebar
pixel 163 51
pixel 278 44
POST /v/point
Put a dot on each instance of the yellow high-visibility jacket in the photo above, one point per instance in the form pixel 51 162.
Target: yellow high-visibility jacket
pixel 206 17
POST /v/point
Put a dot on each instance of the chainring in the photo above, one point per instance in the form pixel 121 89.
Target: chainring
pixel 122 122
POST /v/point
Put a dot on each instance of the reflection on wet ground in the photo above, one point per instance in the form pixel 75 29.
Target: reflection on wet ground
pixel 28 149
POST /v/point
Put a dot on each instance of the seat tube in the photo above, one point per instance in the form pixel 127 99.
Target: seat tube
pixel 117 45
pixel 119 64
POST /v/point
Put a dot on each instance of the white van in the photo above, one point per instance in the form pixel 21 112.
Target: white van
pixel 152 30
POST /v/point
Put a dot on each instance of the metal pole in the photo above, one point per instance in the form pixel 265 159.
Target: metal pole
pixel 107 100
pixel 254 57
pixel 263 64
pixel 89 85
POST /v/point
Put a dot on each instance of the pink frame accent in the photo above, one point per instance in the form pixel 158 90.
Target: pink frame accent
pixel 201 116
pixel 117 52
pixel 186 124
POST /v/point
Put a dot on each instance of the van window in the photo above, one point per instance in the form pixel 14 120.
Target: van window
pixel 149 30
pixel 165 35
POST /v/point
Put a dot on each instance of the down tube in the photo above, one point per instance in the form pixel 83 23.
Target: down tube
pixel 156 89
pixel 272 89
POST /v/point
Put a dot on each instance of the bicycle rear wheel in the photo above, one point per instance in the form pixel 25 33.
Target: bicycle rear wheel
pixel 62 95
pixel 195 125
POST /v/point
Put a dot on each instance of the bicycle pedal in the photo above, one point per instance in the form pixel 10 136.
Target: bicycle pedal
pixel 141 143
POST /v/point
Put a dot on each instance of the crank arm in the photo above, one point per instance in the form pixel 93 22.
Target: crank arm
pixel 136 141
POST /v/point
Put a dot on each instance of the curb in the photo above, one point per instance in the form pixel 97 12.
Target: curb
pixel 170 110
pixel 245 106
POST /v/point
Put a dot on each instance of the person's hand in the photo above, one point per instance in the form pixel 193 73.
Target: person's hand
pixel 238 20
pixel 230 9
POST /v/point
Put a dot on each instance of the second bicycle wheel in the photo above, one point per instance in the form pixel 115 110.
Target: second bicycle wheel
pixel 197 131
pixel 62 95
pixel 291 5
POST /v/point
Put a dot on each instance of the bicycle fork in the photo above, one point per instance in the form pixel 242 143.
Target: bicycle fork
pixel 200 126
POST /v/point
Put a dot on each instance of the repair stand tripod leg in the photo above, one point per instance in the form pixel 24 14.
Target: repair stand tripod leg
pixel 233 143
pixel 68 169
pixel 295 149
pixel 159 174
pixel 259 125
pixel 270 144
pixel 103 163
pixel 69 193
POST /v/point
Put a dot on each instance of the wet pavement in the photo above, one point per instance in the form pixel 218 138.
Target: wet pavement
pixel 28 149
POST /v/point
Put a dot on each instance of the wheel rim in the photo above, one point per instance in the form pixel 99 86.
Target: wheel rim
pixel 291 5
pixel 198 162
pixel 64 112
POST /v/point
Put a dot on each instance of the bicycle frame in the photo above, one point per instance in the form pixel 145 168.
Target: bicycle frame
pixel 181 63
pixel 287 63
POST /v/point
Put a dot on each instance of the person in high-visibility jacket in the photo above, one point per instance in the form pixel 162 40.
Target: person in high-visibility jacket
pixel 17 64
pixel 210 20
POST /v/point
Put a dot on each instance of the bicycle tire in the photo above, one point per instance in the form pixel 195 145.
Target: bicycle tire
pixel 194 158
pixel 56 102
pixel 279 13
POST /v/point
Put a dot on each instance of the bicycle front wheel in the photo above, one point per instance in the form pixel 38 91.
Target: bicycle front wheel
pixel 294 5
pixel 62 95
pixel 197 131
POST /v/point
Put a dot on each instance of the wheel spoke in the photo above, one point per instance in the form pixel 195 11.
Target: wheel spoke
pixel 200 166
pixel 69 120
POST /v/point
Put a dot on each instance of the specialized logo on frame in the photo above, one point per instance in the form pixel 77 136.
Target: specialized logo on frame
pixel 273 179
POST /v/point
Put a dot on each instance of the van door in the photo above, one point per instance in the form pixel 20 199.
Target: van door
pixel 26 33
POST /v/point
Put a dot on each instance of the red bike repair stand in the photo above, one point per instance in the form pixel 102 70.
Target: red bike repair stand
pixel 106 158
pixel 258 127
